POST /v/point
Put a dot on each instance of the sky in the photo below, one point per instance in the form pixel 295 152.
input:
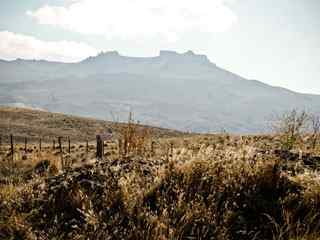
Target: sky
pixel 274 41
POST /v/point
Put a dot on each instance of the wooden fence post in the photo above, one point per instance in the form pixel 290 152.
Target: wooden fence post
pixel 53 144
pixel 69 145
pixel 87 146
pixel 40 144
pixel 171 149
pixel 120 147
pixel 11 147
pixel 99 151
pixel 25 145
pixel 60 144
pixel 152 148
pixel 125 146
pixel 63 165
pixel 167 153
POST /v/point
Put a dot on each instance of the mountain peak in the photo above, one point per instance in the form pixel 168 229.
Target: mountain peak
pixel 109 54
pixel 170 57
pixel 168 53
pixel 102 56
pixel 190 53
pixel 188 56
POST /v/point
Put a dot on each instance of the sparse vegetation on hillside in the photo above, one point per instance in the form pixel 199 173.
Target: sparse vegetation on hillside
pixel 290 126
pixel 315 129
pixel 293 126
pixel 186 187
pixel 34 124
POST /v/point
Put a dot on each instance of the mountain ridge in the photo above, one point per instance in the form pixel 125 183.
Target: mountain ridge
pixel 184 91
pixel 162 53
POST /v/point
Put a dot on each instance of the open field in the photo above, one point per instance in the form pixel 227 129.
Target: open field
pixel 151 186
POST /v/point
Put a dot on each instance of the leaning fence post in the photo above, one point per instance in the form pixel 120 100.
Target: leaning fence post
pixel 99 151
pixel 40 144
pixel 11 147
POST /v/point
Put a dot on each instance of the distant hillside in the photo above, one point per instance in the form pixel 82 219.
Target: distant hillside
pixel 34 124
pixel 179 91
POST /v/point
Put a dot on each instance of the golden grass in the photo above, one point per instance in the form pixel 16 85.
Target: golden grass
pixel 207 187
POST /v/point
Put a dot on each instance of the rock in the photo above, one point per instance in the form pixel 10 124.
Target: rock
pixel 42 167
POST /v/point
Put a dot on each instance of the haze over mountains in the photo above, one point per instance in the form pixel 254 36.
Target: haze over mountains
pixel 181 91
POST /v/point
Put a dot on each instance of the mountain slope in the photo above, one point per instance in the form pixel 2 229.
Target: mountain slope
pixel 182 91
pixel 34 124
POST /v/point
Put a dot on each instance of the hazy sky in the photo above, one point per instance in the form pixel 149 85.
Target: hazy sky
pixel 274 41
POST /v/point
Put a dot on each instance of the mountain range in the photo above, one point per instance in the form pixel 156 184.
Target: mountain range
pixel 182 91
